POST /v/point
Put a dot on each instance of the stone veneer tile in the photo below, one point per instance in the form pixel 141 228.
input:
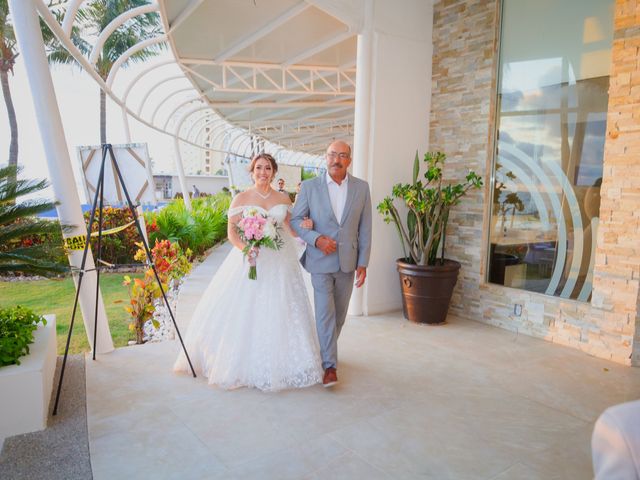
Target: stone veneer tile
pixel 461 122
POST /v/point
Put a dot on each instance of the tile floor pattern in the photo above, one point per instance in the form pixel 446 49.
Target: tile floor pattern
pixel 460 401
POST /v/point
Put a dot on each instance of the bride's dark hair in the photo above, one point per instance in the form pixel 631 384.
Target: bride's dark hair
pixel 266 156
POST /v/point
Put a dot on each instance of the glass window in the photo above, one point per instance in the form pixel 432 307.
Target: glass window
pixel 551 118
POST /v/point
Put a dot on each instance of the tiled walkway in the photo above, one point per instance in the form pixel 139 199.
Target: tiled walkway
pixel 460 401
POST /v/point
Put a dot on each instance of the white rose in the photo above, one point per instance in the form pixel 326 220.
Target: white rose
pixel 270 230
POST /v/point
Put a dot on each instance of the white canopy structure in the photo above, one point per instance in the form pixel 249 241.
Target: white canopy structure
pixel 275 75
pixel 283 70
pixel 284 76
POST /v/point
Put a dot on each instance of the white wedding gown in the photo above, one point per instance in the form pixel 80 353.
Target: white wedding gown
pixel 255 333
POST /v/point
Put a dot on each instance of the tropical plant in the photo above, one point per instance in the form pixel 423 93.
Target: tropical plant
pixel 118 247
pixel 8 54
pixel 18 223
pixel 197 230
pixel 307 174
pixel 506 204
pixel 17 325
pixel 142 294
pixel 171 264
pixel 91 20
pixel 170 261
pixel 423 233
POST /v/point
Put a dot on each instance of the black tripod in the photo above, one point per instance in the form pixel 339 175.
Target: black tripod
pixel 98 201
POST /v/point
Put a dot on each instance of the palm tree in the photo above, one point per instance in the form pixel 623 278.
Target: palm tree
pixel 91 20
pixel 8 56
pixel 27 244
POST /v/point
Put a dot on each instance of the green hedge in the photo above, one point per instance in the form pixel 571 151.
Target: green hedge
pixel 120 247
pixel 17 325
pixel 198 230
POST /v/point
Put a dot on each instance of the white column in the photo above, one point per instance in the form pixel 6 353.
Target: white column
pixel 27 28
pixel 362 128
pixel 182 179
pixel 398 115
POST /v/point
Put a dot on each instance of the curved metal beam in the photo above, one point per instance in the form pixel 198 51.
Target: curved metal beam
pixel 149 69
pixel 224 131
pixel 214 129
pixel 88 66
pixel 156 85
pixel 126 55
pixel 70 16
pixel 186 115
pixel 55 27
pixel 165 99
pixel 196 123
pixel 113 26
pixel 186 102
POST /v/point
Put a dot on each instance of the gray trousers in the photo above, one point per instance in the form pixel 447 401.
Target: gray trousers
pixel 331 293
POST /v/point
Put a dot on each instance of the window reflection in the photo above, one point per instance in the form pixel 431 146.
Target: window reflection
pixel 551 121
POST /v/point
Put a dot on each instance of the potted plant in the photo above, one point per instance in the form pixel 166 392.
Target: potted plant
pixel 427 278
pixel 17 325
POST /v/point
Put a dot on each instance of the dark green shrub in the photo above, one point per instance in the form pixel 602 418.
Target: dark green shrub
pixel 197 230
pixel 17 325
pixel 307 174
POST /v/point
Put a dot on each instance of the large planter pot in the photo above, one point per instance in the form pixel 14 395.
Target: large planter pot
pixel 426 290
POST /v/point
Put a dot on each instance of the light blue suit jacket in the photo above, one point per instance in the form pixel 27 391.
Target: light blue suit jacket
pixel 352 232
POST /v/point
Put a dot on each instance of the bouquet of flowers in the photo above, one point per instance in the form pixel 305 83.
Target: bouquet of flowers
pixel 257 230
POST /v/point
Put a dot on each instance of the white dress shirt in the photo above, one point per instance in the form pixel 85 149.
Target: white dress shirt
pixel 337 195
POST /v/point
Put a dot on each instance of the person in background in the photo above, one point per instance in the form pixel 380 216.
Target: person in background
pixel 281 185
pixel 615 444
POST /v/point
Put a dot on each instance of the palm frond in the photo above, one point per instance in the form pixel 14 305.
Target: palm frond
pixel 18 230
pixel 27 244
pixel 33 268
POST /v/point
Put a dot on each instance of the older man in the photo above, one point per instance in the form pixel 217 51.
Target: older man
pixel 338 246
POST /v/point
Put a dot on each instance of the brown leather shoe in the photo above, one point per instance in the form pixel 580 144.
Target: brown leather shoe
pixel 330 377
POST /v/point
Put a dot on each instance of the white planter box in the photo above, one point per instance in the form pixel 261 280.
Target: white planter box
pixel 25 389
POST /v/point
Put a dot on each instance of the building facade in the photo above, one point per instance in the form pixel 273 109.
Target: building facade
pixel 543 99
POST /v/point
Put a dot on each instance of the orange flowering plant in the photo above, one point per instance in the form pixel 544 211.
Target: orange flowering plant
pixel 170 261
pixel 172 264
pixel 142 293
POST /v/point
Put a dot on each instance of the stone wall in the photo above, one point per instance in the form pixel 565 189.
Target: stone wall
pixel 616 284
pixel 461 124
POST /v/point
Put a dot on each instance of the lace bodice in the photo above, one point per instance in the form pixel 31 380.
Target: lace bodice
pixel 278 212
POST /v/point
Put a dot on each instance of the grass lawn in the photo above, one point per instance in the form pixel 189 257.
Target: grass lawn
pixel 56 296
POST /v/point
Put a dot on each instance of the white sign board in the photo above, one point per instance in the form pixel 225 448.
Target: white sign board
pixel 133 162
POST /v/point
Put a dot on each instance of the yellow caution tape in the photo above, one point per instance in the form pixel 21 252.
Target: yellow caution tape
pixel 75 243
pixel 113 230
pixel 78 242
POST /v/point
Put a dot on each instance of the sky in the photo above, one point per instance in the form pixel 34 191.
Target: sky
pixel 78 99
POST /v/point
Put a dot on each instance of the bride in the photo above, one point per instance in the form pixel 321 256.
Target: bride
pixel 256 333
